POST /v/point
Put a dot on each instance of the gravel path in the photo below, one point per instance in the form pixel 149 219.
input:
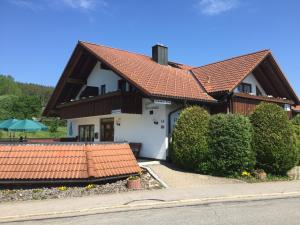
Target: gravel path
pixel 174 177
pixel 148 182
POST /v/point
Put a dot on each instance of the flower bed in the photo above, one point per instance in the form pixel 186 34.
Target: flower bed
pixel 147 182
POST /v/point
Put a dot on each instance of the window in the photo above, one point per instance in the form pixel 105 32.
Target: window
pixel 89 91
pixel 104 66
pixel 86 133
pixel 122 85
pixel 103 89
pixel 258 92
pixel 132 88
pixel 287 107
pixel 245 88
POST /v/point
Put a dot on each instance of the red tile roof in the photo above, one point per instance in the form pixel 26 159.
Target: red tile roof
pixel 66 161
pixel 296 108
pixel 225 75
pixel 151 77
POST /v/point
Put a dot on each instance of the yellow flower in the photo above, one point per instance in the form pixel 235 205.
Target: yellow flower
pixel 245 174
pixel 62 188
pixel 90 186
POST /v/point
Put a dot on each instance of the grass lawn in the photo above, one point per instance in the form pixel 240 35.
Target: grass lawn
pixel 61 132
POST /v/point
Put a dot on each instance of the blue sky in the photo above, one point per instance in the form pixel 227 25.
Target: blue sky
pixel 38 36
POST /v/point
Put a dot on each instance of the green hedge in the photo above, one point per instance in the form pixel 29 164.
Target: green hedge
pixel 189 146
pixel 230 138
pixel 273 139
pixel 296 123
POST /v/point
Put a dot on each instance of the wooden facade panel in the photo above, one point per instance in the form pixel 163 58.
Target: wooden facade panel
pixel 244 106
pixel 126 102
pixel 247 106
pixel 221 108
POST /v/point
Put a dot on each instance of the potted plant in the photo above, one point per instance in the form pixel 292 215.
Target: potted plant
pixel 134 182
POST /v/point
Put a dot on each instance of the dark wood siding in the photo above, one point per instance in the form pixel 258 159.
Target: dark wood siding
pixel 247 106
pixel 220 108
pixel 244 106
pixel 102 105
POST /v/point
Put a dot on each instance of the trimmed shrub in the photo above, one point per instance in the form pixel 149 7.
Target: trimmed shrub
pixel 273 139
pixel 189 146
pixel 296 123
pixel 230 144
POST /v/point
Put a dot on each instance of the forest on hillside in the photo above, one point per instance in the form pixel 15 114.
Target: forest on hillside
pixel 22 100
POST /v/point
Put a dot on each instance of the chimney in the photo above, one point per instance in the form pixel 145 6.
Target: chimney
pixel 160 54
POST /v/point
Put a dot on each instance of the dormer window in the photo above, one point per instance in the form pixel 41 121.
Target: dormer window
pixel 245 88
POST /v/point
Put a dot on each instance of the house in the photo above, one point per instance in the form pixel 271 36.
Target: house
pixel 112 95
pixel 296 110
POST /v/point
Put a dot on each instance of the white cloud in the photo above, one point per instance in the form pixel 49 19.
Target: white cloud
pixel 215 7
pixel 84 4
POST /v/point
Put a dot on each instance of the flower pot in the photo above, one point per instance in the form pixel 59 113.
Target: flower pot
pixel 134 184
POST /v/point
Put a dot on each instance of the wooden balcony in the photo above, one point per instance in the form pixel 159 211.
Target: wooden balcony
pixel 245 104
pixel 114 102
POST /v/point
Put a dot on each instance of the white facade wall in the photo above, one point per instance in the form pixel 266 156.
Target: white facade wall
pixel 250 79
pixel 99 77
pixel 149 129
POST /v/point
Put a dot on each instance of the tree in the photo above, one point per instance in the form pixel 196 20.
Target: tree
pixel 189 146
pixel 273 139
pixel 54 125
pixel 6 106
pixel 8 86
pixel 230 138
pixel 27 107
pixel 296 123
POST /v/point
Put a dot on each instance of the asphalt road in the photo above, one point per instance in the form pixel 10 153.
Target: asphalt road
pixel 273 211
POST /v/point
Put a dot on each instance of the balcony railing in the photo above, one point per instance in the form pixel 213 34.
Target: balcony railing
pixel 114 102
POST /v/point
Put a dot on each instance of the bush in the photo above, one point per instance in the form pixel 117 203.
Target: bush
pixel 230 144
pixel 273 139
pixel 53 126
pixel 189 147
pixel 296 123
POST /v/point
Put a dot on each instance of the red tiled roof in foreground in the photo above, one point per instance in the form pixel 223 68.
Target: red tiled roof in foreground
pixel 66 161
pixel 152 78
pixel 225 75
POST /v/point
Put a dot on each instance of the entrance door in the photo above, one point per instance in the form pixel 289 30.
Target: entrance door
pixel 107 129
pixel 86 133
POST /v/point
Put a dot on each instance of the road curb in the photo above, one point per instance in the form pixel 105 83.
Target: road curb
pixel 162 183
pixel 140 206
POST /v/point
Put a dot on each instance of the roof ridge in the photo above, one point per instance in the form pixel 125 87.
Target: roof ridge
pixel 135 53
pixel 235 57
pixel 92 43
